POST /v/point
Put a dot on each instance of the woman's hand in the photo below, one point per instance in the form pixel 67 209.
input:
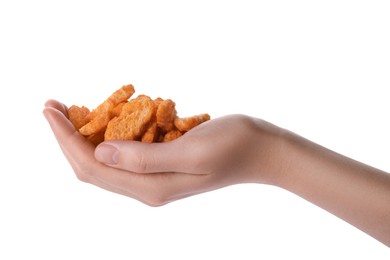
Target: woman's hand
pixel 221 152
pixel 226 151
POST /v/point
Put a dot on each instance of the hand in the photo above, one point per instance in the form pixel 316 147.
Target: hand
pixel 224 151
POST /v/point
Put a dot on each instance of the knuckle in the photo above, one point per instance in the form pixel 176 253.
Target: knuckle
pixel 157 199
pixel 84 172
pixel 82 177
pixel 155 203
pixel 141 164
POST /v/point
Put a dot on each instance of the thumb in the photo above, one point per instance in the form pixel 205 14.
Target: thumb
pixel 141 157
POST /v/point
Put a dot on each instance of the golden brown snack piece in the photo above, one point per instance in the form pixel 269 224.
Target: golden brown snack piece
pixel 166 113
pixel 157 102
pixel 187 123
pixel 130 125
pixel 172 135
pixel 116 111
pixel 97 138
pixel 97 124
pixel 137 104
pixel 121 95
pixel 78 116
pixel 101 109
pixel 151 133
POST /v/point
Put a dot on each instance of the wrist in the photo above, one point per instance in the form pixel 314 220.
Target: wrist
pixel 272 153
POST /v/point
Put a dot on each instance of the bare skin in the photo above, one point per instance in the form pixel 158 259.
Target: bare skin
pixel 225 151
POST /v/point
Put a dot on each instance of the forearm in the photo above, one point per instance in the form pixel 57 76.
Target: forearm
pixel 353 191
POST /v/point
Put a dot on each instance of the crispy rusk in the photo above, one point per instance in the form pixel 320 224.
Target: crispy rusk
pixel 166 114
pixel 187 123
pixel 132 125
pixel 79 116
pixel 121 95
pixel 116 111
pixel 157 102
pixel 151 133
pixel 97 138
pixel 136 104
pixel 172 135
pixel 97 124
pixel 103 108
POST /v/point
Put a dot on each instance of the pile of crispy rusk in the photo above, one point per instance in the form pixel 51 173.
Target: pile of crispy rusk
pixel 140 119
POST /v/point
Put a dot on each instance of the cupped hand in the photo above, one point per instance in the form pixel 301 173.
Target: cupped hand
pixel 224 151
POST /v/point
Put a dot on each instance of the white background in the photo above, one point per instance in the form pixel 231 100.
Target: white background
pixel 318 68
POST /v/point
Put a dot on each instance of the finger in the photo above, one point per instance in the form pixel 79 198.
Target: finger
pixel 174 156
pixel 57 105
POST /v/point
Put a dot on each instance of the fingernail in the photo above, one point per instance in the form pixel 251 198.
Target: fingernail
pixel 107 154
